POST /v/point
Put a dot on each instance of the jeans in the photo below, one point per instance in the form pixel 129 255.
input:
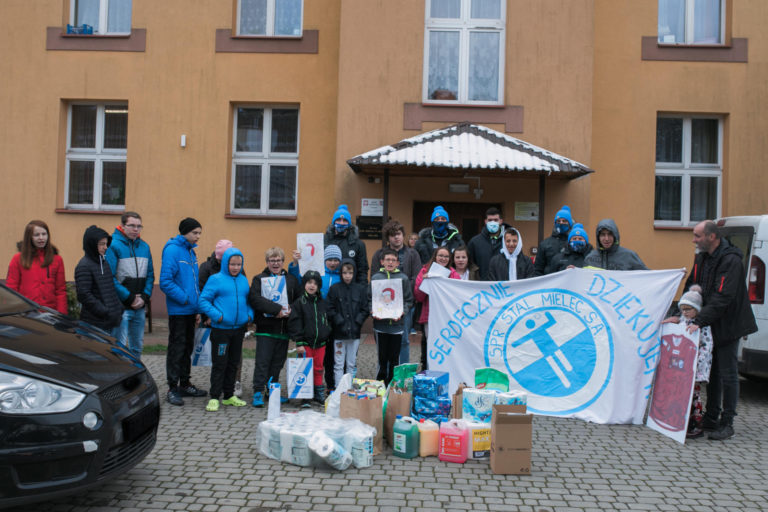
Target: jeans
pixel 130 333
pixel 181 342
pixel 405 348
pixel 226 350
pixel 271 354
pixel 723 382
pixel 345 351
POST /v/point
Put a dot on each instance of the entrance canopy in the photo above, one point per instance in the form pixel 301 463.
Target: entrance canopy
pixel 467 150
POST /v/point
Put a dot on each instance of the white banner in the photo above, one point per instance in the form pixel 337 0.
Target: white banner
pixel 312 252
pixel 581 343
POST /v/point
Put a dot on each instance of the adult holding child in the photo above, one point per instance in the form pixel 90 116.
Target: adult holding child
pixel 37 270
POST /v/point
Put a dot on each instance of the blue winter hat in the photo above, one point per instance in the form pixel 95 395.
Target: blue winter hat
pixel 332 252
pixel 564 213
pixel 342 213
pixel 439 211
pixel 578 230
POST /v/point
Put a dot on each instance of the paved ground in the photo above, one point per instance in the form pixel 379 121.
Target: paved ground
pixel 209 462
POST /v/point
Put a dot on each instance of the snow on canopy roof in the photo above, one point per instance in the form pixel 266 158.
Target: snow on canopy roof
pixel 466 146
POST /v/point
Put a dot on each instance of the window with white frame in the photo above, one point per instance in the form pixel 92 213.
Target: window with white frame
pixel 464 51
pixel 691 21
pixel 689 170
pixel 270 18
pixel 265 160
pixel 97 138
pixel 105 16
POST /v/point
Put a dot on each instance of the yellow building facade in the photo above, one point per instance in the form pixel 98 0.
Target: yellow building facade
pixel 244 114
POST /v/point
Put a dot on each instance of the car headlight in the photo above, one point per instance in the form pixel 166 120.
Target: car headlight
pixel 25 395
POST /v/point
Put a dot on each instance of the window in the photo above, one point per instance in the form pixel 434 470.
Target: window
pixel 688 170
pixel 464 51
pixel 105 16
pixel 97 138
pixel 691 21
pixel 265 162
pixel 269 18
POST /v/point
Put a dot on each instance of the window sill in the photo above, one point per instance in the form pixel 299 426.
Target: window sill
pixel 511 116
pixel 92 212
pixel 136 41
pixel 673 228
pixel 226 42
pixel 259 216
pixel 737 51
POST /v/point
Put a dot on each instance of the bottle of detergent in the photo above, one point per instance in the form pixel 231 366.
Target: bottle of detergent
pixel 454 437
pixel 406 437
pixel 429 438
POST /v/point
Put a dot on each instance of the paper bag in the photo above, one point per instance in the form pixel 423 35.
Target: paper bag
pixel 300 378
pixel 458 398
pixel 201 355
pixel 369 412
pixel 397 403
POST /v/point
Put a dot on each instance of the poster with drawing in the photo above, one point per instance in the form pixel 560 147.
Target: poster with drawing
pixel 387 298
pixel 312 252
pixel 273 288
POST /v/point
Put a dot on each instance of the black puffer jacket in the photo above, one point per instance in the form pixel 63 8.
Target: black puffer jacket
pixel 548 249
pixel 265 311
pixel 308 322
pixel 726 303
pixel 208 268
pixel 347 308
pixel 499 268
pixel 95 288
pixel 428 242
pixel 351 247
pixel 567 257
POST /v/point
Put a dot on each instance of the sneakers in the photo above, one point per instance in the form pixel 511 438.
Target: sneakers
pixel 306 403
pixel 708 424
pixel 258 399
pixel 191 390
pixel 174 397
pixel 694 433
pixel 723 433
pixel 213 405
pixel 234 401
pixel 238 389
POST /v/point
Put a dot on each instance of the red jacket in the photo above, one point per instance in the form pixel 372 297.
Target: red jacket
pixel 423 297
pixel 44 285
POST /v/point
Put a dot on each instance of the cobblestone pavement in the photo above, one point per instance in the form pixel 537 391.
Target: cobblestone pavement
pixel 209 462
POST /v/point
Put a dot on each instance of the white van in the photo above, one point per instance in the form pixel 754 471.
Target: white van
pixel 750 234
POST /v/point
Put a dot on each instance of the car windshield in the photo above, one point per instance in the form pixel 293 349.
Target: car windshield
pixel 11 303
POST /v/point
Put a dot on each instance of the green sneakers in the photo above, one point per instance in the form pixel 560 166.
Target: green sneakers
pixel 233 400
pixel 213 405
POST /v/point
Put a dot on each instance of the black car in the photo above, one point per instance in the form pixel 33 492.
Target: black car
pixel 76 409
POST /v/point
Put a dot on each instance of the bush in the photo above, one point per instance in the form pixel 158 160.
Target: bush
pixel 73 306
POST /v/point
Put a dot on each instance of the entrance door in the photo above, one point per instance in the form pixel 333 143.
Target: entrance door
pixel 468 217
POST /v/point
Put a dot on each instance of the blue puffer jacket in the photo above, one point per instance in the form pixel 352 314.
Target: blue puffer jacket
pixel 131 265
pixel 178 276
pixel 225 298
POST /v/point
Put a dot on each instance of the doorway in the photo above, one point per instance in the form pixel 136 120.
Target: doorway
pixel 468 217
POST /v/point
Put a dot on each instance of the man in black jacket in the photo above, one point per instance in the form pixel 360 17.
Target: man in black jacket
pixel 487 244
pixel 719 270
pixel 551 246
pixel 342 233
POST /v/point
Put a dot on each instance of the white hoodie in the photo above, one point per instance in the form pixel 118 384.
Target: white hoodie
pixel 512 258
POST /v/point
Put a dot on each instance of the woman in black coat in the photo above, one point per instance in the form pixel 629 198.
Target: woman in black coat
pixel 93 279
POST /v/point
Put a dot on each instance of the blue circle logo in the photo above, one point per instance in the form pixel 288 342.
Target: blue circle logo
pixel 300 379
pixel 556 345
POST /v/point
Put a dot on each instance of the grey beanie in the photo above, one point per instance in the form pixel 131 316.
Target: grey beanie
pixel 691 298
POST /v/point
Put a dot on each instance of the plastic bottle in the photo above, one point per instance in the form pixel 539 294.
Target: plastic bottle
pixel 406 437
pixel 454 437
pixel 429 438
pixel 273 409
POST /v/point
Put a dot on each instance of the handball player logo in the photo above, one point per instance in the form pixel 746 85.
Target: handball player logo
pixel 556 345
pixel 300 379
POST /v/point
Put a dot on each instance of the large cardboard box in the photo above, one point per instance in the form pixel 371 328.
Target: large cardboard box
pixel 511 439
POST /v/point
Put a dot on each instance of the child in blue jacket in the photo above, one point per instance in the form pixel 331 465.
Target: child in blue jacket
pixel 225 301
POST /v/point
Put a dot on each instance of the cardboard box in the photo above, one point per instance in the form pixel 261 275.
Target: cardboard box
pixel 458 398
pixel 511 439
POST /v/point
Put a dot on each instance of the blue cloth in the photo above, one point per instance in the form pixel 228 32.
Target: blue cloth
pixel 179 276
pixel 130 332
pixel 225 297
pixel 131 265
pixel 439 211
pixel 342 213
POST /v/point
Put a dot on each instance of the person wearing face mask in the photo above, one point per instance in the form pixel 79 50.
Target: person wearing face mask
pixel 441 234
pixel 488 242
pixel 342 233
pixel 552 245
pixel 572 255
pixel 511 264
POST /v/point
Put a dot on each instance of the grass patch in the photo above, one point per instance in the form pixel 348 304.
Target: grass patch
pixel 248 353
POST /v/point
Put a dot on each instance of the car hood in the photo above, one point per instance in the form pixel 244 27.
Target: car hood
pixel 58 349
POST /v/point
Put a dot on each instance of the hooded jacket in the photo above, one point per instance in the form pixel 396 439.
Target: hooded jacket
pixel 308 322
pixel 265 310
pixel 351 247
pixel 179 276
pixel 131 264
pixel 484 246
pixel 423 297
pixel 428 242
pixel 388 325
pixel 726 302
pixel 45 285
pixel 95 287
pixel 347 308
pixel 500 264
pixel 225 297
pixel 615 257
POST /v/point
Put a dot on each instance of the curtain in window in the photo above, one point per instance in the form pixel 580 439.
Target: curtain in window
pixel 248 187
pixel 668 198
pixel 250 129
pixel 119 16
pixel 484 66
pixel 445 9
pixel 288 17
pixel 282 187
pixel 703 198
pixel 672 21
pixel 486 9
pixel 83 129
pixel 80 182
pixel 285 130
pixel 669 139
pixel 113 183
pixel 706 22
pixel 704 141
pixel 87 13
pixel 443 81
pixel 115 127
pixel 253 17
